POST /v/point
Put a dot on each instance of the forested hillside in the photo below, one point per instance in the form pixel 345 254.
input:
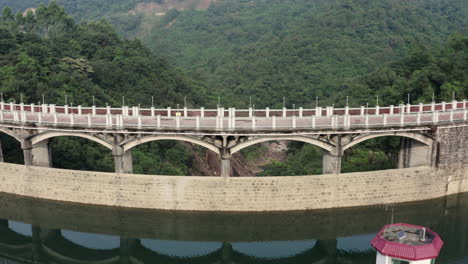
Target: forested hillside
pixel 47 53
pixel 299 49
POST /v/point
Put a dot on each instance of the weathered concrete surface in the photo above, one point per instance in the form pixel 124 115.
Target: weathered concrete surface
pixel 233 194
pixel 453 149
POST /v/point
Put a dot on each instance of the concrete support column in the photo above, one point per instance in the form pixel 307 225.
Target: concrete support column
pixel 225 162
pixel 123 160
pixel 331 163
pixel 414 154
pixel 38 154
pixel 332 159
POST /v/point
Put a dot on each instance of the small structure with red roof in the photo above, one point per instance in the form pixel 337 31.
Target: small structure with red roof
pixel 406 244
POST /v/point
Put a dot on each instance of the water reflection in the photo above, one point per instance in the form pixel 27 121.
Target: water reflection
pixel 51 232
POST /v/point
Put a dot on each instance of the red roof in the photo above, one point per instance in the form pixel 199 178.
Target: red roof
pixel 404 251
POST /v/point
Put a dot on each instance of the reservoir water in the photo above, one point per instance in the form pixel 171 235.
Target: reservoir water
pixel 39 231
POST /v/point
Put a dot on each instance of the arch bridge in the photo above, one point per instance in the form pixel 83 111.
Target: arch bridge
pixel 227 131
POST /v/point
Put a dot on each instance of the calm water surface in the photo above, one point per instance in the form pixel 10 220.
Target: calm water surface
pixel 37 231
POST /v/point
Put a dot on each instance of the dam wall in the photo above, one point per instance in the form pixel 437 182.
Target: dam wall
pixel 284 193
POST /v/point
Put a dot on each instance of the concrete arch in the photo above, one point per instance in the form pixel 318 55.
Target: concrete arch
pixel 312 141
pixel 413 135
pixel 46 135
pixel 11 134
pixel 135 142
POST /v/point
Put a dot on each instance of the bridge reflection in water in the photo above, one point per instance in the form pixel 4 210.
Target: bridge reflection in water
pixel 65 233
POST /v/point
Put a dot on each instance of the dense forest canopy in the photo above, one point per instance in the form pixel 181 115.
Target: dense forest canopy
pixel 48 53
pixel 300 49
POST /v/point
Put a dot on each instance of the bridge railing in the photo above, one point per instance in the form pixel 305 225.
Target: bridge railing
pixel 225 112
pixel 230 122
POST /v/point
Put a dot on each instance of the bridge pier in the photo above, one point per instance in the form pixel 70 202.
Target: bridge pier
pixel 332 159
pixel 225 162
pixel 123 160
pixel 414 154
pixel 38 154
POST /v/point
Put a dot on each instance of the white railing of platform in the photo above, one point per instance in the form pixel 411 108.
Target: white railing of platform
pixel 230 122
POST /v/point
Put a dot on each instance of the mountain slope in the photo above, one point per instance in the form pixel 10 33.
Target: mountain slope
pixel 299 49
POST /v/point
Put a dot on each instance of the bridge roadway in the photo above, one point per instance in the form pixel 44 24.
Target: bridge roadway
pixel 226 131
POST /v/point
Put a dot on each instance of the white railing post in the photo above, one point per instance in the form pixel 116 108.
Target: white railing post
pixel 284 111
pixel 1 115
pixel 65 109
pixel 55 119
pixel 377 110
pixel 250 112
pixel 93 110
pixel 158 121
pixel 347 122
pixel 177 121
pixel 108 110
pixel 313 121
pixel 89 120
pixel 72 120
pixel 346 110
pixel 23 117
pixel 15 116
pixel 221 122
pixel 465 112
pixel 80 110
pixel 435 116
pixel 294 122
pixel 273 122
pixel 152 111
pixel 329 110
pixel 443 106
pixel 301 110
pixel 267 112
pixel 197 122
pixel 32 108
pixel 21 107
pixel 454 105
pixel 418 118
pixel 39 118
pixel 421 107
pixel 384 120
pixel 318 111
pixel 432 106
pixel 139 121
pixel 202 112
pixel 408 108
pixel 169 112
pixel 253 123
pixel 451 115
pixel 464 103
pixel 2 106
pixel 44 108
pixel 402 119
pixel 367 121
pixel 392 109
pixel 185 112
pixel 363 110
